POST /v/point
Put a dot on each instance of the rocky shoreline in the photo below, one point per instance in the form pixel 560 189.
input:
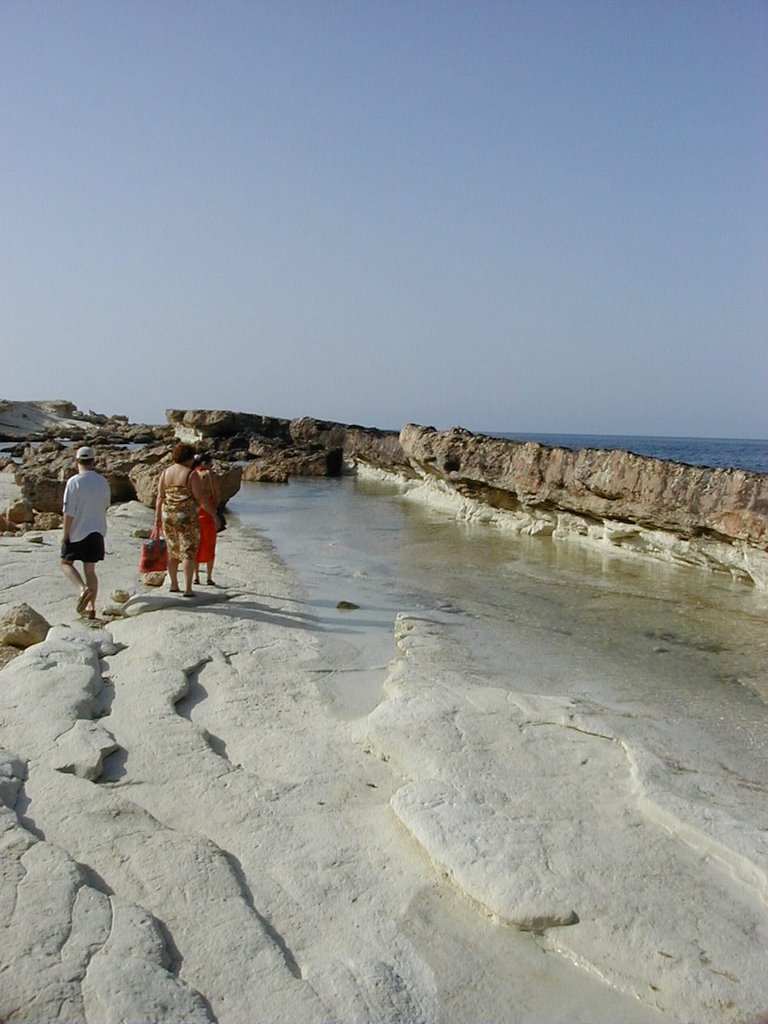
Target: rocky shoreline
pixel 716 519
pixel 191 834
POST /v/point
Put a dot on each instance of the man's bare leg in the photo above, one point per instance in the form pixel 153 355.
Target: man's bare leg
pixel 89 571
pixel 77 581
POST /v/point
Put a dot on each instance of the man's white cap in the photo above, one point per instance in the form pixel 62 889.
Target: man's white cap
pixel 86 454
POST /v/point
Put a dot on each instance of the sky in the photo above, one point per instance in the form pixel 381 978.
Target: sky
pixel 509 215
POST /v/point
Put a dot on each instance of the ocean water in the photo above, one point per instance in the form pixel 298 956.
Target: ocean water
pixel 728 453
pixel 687 648
pixel 723 452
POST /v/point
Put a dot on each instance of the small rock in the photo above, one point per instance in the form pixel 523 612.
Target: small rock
pixel 22 626
pixel 47 521
pixel 20 511
pixel 112 611
pixel 347 606
pixel 154 579
pixel 142 531
pixel 34 538
pixel 119 596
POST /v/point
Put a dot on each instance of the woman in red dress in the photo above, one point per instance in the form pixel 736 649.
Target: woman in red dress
pixel 206 552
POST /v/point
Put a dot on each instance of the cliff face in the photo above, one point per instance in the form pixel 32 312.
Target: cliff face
pixel 712 517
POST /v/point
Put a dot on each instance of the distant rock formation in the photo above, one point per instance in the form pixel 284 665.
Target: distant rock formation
pixel 57 420
pixel 716 518
pixel 276 449
pixel 32 420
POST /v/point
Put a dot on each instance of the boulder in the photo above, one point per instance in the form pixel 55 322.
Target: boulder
pixel 48 521
pixel 145 477
pixel 22 626
pixel 132 475
pixel 44 471
pixel 259 472
pixel 20 511
pixel 196 425
pixel 274 461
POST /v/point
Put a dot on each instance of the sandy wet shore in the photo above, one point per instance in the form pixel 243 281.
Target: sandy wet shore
pixel 190 834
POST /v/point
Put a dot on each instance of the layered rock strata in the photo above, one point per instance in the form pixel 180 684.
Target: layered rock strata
pixel 276 449
pixel 715 518
pixel 40 421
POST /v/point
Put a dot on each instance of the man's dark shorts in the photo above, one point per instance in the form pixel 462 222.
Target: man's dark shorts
pixel 89 550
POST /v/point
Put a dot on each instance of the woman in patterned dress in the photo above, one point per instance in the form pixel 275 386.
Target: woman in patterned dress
pixel 179 496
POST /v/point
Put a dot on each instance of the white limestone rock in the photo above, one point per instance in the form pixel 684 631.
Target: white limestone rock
pixel 43 693
pixel 82 749
pixel 129 977
pixel 537 807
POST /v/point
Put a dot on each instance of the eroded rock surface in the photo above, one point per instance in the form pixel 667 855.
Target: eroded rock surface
pixel 716 518
pixel 542 811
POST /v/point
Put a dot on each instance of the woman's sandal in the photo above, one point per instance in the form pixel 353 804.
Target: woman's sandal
pixel 83 600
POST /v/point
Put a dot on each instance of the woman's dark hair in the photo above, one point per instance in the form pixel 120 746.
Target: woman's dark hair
pixel 203 459
pixel 183 453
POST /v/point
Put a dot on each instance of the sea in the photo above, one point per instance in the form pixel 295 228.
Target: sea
pixel 717 452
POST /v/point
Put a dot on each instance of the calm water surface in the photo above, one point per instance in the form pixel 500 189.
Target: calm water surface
pixel 680 650
pixel 724 452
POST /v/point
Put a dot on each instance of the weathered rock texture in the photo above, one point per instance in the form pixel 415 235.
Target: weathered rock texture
pixel 716 518
pixel 38 421
pixel 276 449
pixel 132 474
pixel 22 626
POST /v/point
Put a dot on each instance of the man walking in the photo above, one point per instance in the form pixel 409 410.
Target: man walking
pixel 86 500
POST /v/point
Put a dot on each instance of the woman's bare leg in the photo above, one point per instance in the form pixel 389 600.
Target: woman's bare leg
pixel 189 574
pixel 173 572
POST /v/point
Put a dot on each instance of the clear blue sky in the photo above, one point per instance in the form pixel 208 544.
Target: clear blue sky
pixel 524 216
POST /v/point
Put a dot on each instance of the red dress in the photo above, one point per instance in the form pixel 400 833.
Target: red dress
pixel 207 547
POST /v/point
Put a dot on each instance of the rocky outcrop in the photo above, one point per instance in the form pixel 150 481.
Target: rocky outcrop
pixel 359 444
pixel 57 420
pixel 144 475
pixel 274 462
pixel 717 518
pixel 32 420
pixel 200 425
pixel 132 474
pixel 276 449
